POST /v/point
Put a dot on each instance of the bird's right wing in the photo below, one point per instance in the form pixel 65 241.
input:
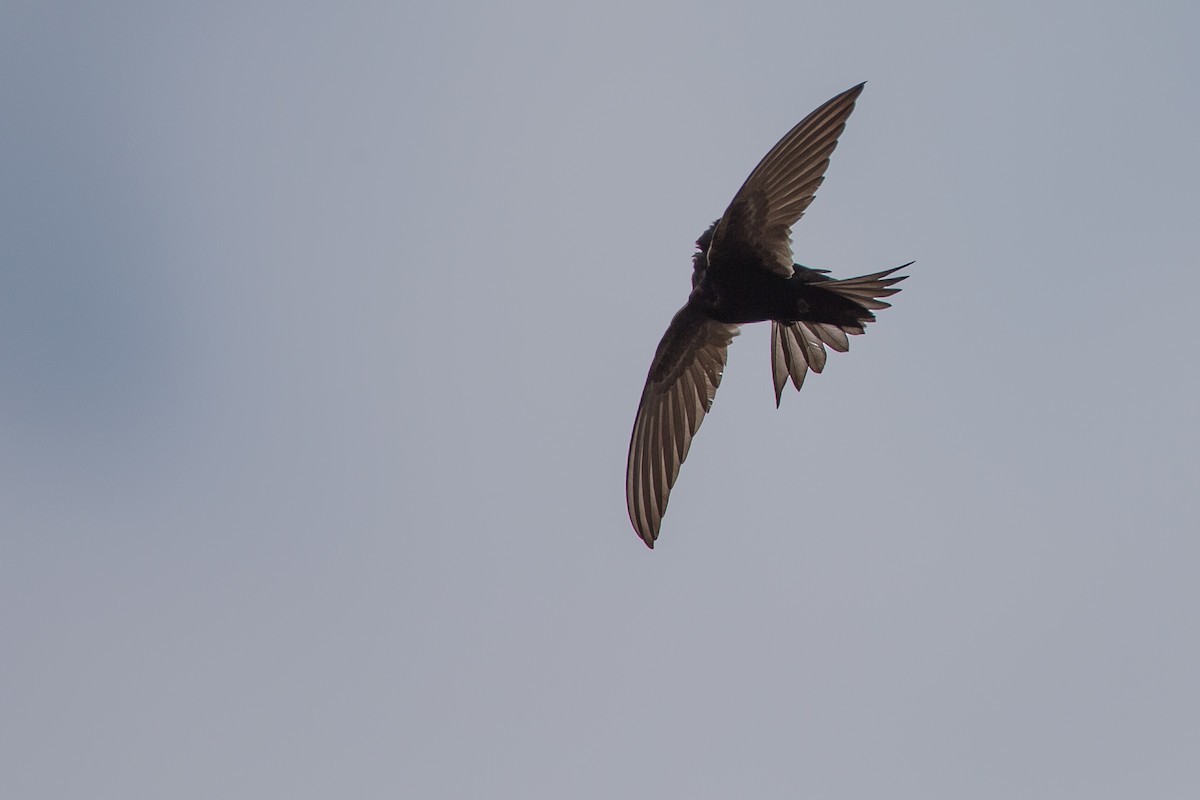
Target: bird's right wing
pixel 782 186
pixel 679 391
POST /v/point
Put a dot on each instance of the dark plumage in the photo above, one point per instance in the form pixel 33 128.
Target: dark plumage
pixel 744 272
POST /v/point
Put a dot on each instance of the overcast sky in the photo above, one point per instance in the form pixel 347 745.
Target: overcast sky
pixel 321 337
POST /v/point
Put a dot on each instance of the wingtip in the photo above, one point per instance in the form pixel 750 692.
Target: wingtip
pixel 644 532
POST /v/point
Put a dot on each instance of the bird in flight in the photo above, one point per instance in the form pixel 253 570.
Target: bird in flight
pixel 744 272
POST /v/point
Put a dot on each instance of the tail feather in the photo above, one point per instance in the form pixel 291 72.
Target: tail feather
pixel 867 289
pixel 797 347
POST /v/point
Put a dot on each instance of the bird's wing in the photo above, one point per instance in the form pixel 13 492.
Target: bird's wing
pixel 679 391
pixel 781 187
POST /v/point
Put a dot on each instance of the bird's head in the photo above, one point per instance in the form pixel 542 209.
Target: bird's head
pixel 706 238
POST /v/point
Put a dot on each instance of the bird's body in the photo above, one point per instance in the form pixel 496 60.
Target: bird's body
pixel 740 289
pixel 743 272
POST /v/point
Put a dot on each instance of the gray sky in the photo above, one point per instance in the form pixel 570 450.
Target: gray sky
pixel 322 332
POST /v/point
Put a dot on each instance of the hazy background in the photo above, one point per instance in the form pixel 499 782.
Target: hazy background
pixel 321 336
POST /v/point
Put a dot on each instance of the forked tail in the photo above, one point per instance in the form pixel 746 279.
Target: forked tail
pixel 797 347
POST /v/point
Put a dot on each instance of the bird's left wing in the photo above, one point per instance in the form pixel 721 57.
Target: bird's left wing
pixel 782 186
pixel 683 380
